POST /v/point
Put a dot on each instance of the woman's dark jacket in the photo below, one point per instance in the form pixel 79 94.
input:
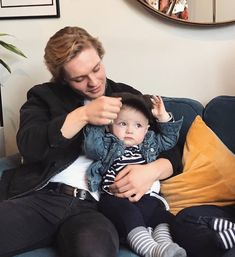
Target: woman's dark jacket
pixel 45 151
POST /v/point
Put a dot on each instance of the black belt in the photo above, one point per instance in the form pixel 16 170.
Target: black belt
pixel 69 190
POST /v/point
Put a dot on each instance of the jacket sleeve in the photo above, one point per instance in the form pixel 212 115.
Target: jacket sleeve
pixel 94 146
pixel 39 137
pixel 173 155
pixel 169 134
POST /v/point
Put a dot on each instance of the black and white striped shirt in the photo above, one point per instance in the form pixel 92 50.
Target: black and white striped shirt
pixel 132 155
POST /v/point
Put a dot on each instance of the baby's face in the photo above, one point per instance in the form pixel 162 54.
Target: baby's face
pixel 130 126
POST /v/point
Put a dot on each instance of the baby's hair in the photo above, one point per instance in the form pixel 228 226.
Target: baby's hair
pixel 141 103
pixel 136 106
pixel 136 102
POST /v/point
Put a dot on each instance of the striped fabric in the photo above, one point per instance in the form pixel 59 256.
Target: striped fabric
pixel 132 155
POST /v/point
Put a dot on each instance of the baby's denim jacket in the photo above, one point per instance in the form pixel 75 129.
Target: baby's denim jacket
pixel 103 147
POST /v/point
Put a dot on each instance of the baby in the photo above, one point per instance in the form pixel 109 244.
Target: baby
pixel 129 141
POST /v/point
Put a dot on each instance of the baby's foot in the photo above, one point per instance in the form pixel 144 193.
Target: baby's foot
pixel 173 250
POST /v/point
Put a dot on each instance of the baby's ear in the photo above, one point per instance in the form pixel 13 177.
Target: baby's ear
pixel 147 128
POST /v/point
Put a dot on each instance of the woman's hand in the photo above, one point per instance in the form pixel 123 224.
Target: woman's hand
pixel 132 182
pixel 135 180
pixel 101 111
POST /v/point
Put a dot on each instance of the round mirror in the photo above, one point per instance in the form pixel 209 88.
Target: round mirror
pixel 201 12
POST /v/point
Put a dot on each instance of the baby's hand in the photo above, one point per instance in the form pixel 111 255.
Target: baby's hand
pixel 159 111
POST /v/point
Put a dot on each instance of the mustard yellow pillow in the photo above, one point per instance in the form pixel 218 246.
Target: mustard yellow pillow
pixel 209 172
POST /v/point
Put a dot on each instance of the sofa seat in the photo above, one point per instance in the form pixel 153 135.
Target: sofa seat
pixel 50 252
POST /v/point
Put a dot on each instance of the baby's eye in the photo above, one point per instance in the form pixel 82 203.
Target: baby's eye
pixel 138 125
pixel 123 124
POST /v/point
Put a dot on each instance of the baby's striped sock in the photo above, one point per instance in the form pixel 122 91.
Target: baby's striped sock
pixel 143 244
pixel 224 230
pixel 226 239
pixel 161 234
pixel 220 224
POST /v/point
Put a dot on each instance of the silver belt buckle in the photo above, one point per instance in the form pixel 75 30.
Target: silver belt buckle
pixel 82 195
pixel 75 192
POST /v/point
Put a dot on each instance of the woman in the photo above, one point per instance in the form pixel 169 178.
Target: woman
pixel 48 197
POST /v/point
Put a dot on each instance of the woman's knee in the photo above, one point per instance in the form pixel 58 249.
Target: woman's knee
pixel 96 237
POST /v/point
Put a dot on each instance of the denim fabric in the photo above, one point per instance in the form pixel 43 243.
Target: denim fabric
pixel 186 107
pixel 104 148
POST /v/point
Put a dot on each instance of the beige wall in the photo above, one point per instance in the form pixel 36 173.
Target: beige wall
pixel 149 53
pixel 225 7
pixel 202 10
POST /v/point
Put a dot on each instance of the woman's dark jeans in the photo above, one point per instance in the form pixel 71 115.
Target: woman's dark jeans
pixel 196 238
pixel 45 217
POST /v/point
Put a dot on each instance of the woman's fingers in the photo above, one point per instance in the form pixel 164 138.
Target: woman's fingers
pixel 103 110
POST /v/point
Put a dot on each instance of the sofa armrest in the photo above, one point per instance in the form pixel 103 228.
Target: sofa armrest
pixel 9 162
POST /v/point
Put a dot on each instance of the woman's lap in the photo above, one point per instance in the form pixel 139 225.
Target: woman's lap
pixel 196 238
pixel 88 235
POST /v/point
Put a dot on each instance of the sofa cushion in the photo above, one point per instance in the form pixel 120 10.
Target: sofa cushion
pixel 186 107
pixel 219 115
pixel 209 172
pixel 9 162
pixel 42 252
pixel 50 252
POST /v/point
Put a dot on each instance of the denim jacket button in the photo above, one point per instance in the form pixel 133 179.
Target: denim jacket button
pixel 151 149
pixel 119 152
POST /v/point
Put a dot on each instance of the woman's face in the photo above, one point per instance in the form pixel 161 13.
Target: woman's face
pixel 86 74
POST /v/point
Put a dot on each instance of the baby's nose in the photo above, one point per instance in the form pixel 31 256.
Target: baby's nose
pixel 129 130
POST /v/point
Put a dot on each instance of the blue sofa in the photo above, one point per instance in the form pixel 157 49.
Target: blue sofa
pixel 219 115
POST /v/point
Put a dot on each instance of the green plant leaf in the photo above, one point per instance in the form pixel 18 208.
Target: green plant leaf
pixel 4 34
pixel 5 65
pixel 12 48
